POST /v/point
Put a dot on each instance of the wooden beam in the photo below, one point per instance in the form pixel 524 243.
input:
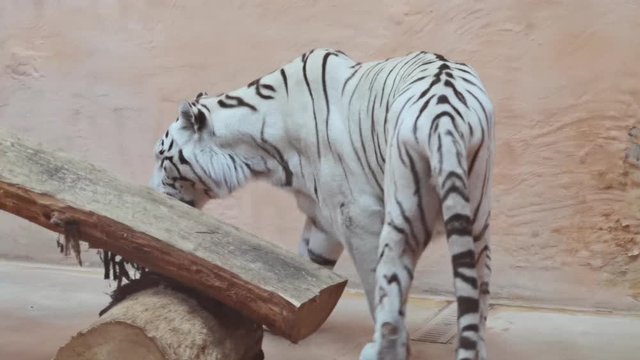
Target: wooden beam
pixel 263 281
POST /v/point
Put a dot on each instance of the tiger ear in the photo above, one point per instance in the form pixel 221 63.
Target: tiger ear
pixel 201 94
pixel 186 113
pixel 196 120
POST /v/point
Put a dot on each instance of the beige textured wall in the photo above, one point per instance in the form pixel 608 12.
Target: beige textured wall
pixel 101 80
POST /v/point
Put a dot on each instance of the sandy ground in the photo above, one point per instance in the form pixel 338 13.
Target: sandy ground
pixel 42 306
pixel 101 80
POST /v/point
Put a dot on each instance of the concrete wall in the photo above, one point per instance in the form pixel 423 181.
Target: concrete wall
pixel 102 79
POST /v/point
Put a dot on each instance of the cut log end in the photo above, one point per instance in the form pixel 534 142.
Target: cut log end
pixel 315 312
pixel 115 340
pixel 163 323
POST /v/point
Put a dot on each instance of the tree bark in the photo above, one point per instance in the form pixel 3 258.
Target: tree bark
pixel 152 320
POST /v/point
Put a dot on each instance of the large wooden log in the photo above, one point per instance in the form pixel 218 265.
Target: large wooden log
pixel 155 321
pixel 269 284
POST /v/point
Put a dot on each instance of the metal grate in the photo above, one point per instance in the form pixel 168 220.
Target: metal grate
pixel 440 329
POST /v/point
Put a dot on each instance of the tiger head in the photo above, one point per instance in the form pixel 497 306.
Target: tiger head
pixel 189 165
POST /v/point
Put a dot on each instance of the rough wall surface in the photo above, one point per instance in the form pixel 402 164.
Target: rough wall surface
pixel 102 79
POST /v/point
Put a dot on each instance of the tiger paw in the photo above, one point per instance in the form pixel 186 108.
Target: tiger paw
pixel 369 352
pixel 389 351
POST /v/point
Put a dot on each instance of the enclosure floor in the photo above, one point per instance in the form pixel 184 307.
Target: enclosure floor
pixel 42 306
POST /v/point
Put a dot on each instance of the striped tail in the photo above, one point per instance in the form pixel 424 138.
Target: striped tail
pixel 450 175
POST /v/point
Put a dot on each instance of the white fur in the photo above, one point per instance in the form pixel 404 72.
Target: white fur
pixel 356 144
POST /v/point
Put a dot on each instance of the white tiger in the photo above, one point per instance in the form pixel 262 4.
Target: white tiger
pixel 375 153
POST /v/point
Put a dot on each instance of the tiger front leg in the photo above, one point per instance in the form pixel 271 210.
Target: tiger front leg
pixel 318 246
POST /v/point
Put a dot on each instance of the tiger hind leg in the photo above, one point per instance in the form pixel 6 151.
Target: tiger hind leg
pixel 411 210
